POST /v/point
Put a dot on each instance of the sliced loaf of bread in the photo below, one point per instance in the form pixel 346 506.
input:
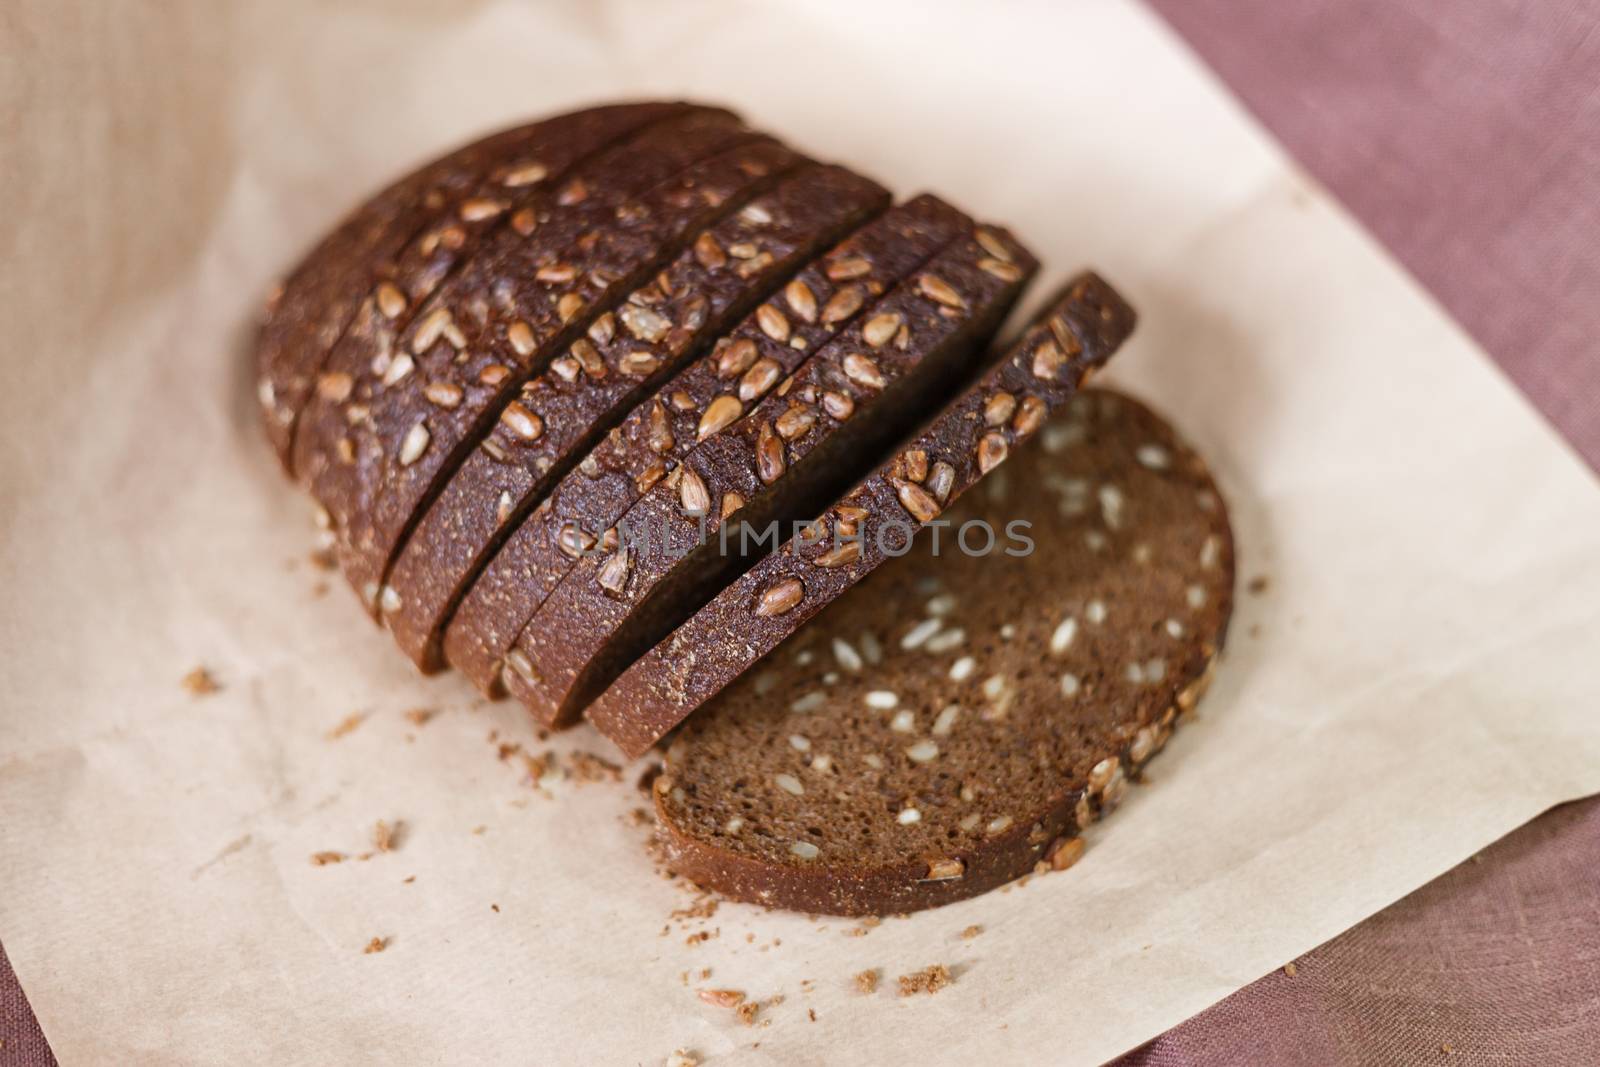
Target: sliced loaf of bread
pixel 958 719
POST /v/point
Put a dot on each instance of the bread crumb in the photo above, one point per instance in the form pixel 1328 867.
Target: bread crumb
pixel 683 1058
pixel 971 932
pixel 722 998
pixel 408 879
pixel 348 723
pixel 377 944
pixel 866 925
pixel 705 972
pixel 479 831
pixel 494 908
pixel 1259 584
pixel 747 1012
pixel 322 859
pixel 928 980
pixel 322 559
pixel 385 837
pixel 867 981
pixel 1290 969
pixel 419 716
pixel 200 683
pixel 812 1012
pixel 587 767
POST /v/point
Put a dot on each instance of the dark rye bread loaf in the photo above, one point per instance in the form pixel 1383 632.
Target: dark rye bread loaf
pixel 560 414
pixel 957 720
pixel 408 234
pixel 702 399
pixel 510 310
pixel 782 462
pixel 1039 375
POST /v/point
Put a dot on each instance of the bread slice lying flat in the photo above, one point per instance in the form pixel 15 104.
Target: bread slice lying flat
pixel 780 463
pixel 955 721
pixel 748 361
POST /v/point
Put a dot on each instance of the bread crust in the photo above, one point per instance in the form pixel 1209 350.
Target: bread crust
pixel 831 292
pixel 912 346
pixel 592 387
pixel 407 235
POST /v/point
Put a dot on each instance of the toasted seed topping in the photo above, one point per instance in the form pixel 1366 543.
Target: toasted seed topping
pixel 708 252
pixel 494 374
pixel 643 323
pixel 639 363
pixel 992 244
pixel 736 358
pixel 846 268
pixel 801 300
pixel 806 704
pixel 588 356
pixel 795 422
pixel 1006 272
pixel 880 329
pixel 962 669
pixel 444 394
pixel 414 444
pixel 1048 361
pixel 1064 852
pixel 1154 456
pixel 522 422
pixel 1061 638
pixel 603 329
pixel 769 454
pixel 789 784
pixel 556 273
pixel 946 641
pixel 692 493
pixel 941 480
pixel 613 574
pixel 335 386
pixel 805 850
pixel 658 434
pixel 842 554
pixel 945 869
pixel 838 406
pixel 525 221
pixel 527 173
pixel 759 378
pixel 918 502
pixel 845 653
pixel 398 369
pixel 430 329
pixel 999 825
pixel 780 598
pixel 719 413
pixel 863 371
pixel 882 699
pixel 520 334
pixel 569 306
pixel 920 633
pixel 997 410
pixel 991 452
pixel 731 502
pixel 1030 416
pixel 939 291
pixel 843 304
pixel 772 322
pixel 391 301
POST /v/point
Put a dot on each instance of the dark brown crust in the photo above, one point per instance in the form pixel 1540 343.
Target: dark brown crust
pixel 548 284
pixel 590 500
pixel 660 326
pixel 1053 812
pixel 381 241
pixel 725 637
pixel 584 630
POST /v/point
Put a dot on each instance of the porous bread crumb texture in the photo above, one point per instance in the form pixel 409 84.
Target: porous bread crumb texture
pixel 930 979
pixel 956 719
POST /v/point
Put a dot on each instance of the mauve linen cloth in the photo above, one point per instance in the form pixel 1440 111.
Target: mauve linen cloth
pixel 1466 137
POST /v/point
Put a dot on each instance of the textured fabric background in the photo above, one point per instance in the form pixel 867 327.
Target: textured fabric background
pixel 1466 136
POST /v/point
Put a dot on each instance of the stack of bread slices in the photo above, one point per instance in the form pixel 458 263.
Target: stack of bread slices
pixel 637 414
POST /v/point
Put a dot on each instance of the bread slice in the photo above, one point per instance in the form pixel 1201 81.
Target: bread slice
pixel 406 237
pixel 747 362
pixel 586 392
pixel 1076 334
pixel 957 720
pixel 782 462
pixel 421 401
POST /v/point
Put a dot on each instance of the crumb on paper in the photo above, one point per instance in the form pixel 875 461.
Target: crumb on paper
pixel 971 932
pixel 479 831
pixel 494 908
pixel 385 837
pixel 1290 969
pixel 722 998
pixel 377 944
pixel 683 1058
pixel 1259 584
pixel 928 980
pixel 866 926
pixel 812 1012
pixel 408 879
pixel 322 859
pixel 347 724
pixel 867 981
pixel 200 682
pixel 705 972
pixel 747 1012
pixel 419 716
pixel 587 767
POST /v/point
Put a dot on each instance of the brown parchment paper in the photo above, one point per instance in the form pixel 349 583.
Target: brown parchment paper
pixel 1419 676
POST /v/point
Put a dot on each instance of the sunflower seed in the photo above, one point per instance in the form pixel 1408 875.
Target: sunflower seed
pixel 795 422
pixel 444 394
pixel 1048 361
pixel 770 463
pixel 863 371
pixel 917 500
pixel 414 444
pixel 991 452
pixel 479 208
pixel 709 254
pixel 391 301
pixel 643 323
pixel 639 363
pixel 525 174
pixel 335 387
pixel 692 493
pixel 789 784
pixel 843 304
pixel 522 422
pixel 880 329
pixel 938 290
pixel 838 406
pixel 759 378
pixel 430 329
pixel 613 574
pixel 772 322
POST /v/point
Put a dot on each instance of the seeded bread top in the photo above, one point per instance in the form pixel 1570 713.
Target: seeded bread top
pixel 957 718
pixel 1040 374
pixel 536 287
pixel 560 414
pixel 701 400
pixel 384 255
pixel 781 462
